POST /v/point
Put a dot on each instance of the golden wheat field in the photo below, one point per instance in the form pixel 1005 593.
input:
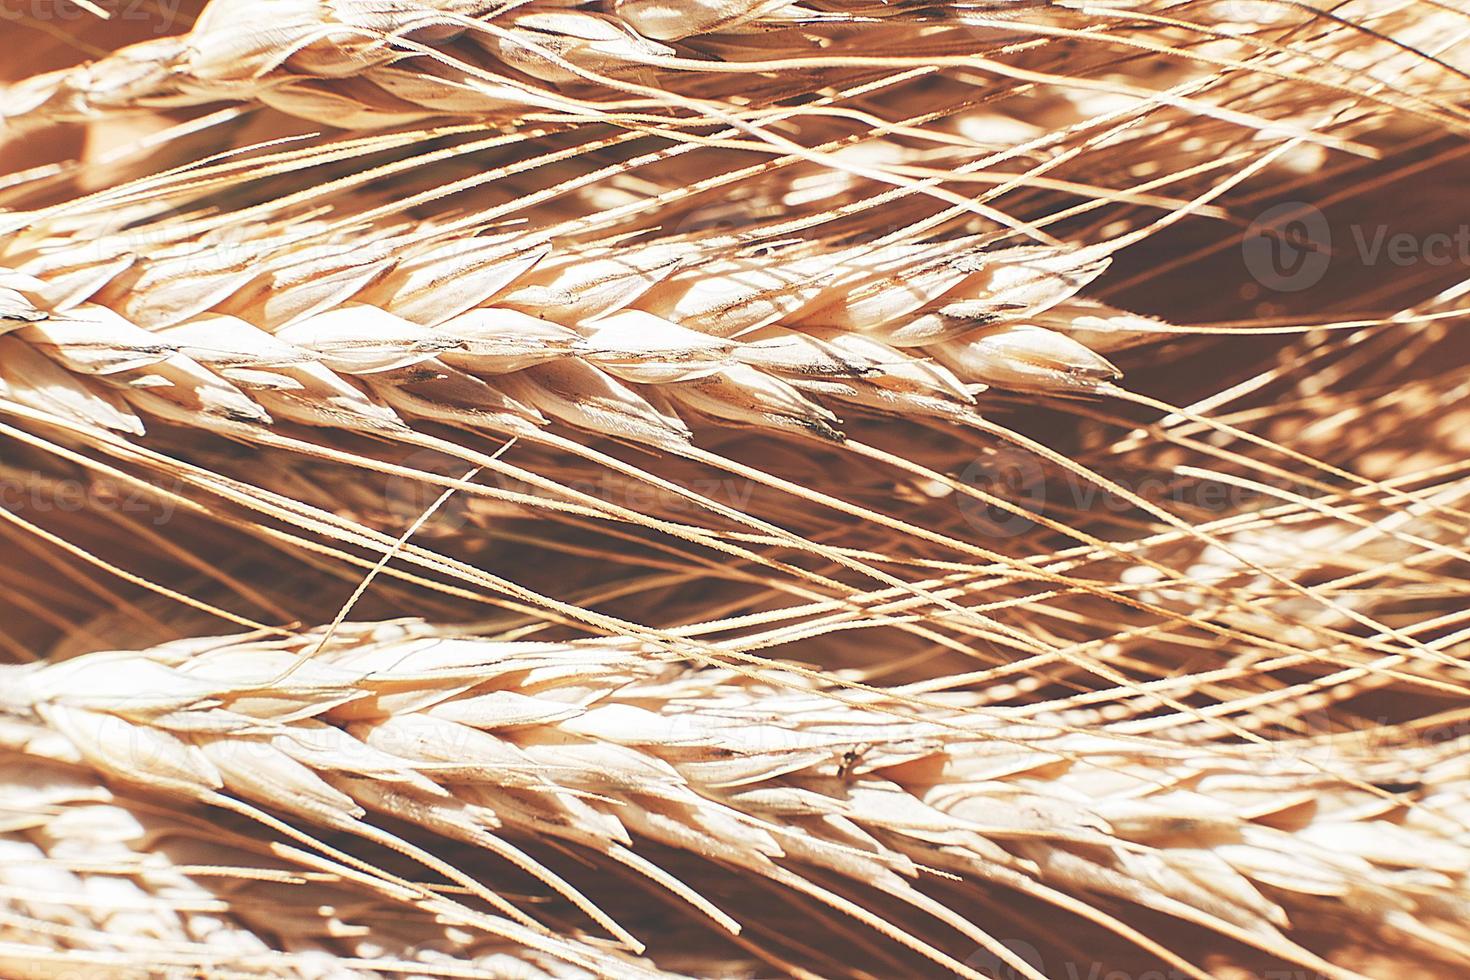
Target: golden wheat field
pixel 735 489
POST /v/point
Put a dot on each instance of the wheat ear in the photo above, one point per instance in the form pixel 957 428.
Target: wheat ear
pixel 357 64
pixel 597 745
pixel 529 333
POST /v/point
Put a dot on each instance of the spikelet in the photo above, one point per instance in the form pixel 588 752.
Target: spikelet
pixel 126 887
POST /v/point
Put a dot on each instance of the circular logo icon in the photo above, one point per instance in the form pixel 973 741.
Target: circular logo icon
pixel 991 964
pixel 1307 739
pixel 406 498
pixel 1288 247
pixel 1007 475
pixel 1243 16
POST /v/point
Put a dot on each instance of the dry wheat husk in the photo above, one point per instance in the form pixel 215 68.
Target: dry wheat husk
pixel 129 886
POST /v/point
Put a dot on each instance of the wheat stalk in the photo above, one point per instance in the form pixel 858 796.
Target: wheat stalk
pixel 236 372
pixel 355 64
pixel 597 745
pixel 738 392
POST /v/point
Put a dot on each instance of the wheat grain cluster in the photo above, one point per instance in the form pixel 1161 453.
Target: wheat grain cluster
pixel 734 489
